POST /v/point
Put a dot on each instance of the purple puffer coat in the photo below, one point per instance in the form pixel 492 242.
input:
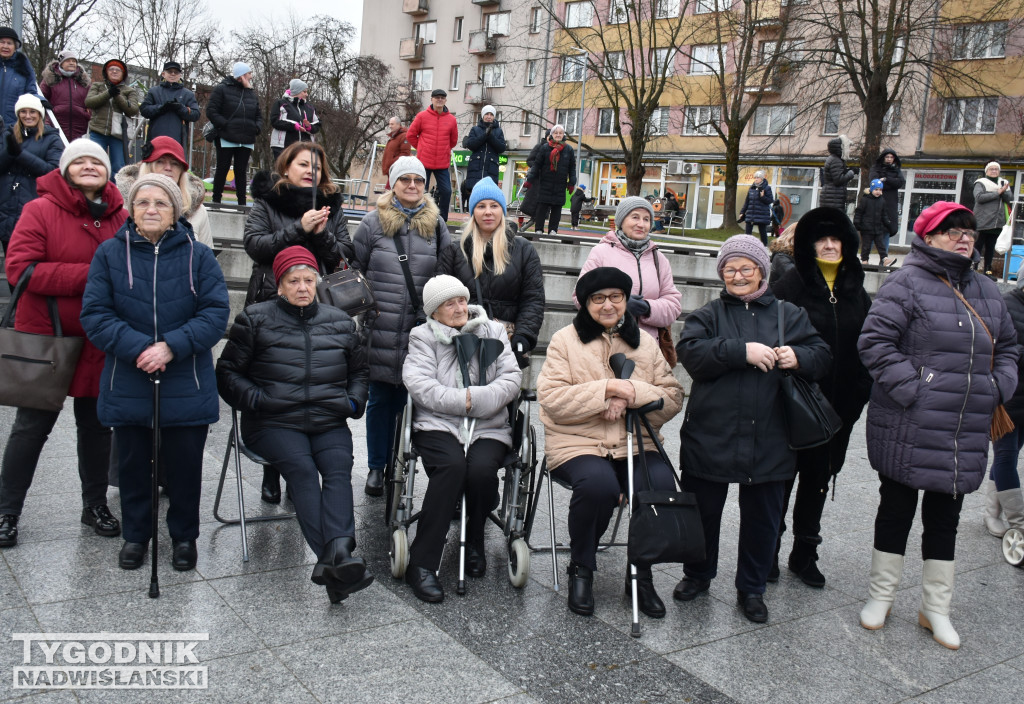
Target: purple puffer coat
pixel 930 358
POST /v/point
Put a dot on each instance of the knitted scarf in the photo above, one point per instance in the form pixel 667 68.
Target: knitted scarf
pixel 637 247
pixel 556 152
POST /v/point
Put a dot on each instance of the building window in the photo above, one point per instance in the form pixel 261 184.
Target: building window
pixel 493 75
pixel 573 68
pixel 527 129
pixel 774 119
pixel 427 31
pixel 970 116
pixel 791 51
pixel 536 14
pixel 665 8
pixel 531 72
pixel 579 14
pixel 659 122
pixel 662 61
pixel 705 59
pixel 701 120
pixel 457 34
pixel 614 65
pixel 456 73
pixel 617 12
pixel 891 121
pixel 497 24
pixel 831 125
pixel 422 78
pixel 985 40
pixel 705 6
pixel 569 119
pixel 606 121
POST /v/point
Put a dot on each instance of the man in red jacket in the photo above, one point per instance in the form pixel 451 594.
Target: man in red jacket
pixel 434 133
pixel 397 146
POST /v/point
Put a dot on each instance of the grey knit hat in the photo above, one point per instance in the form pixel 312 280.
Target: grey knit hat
pixel 296 86
pixel 628 205
pixel 745 246
pixel 406 165
pixel 83 146
pixel 162 182
pixel 440 289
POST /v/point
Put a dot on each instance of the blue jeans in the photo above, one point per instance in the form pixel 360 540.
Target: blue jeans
pixel 444 189
pixel 114 148
pixel 383 405
pixel 1004 460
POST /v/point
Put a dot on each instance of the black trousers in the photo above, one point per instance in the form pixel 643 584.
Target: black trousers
pixel 879 239
pixel 760 510
pixel 597 483
pixel 940 516
pixel 451 471
pixel 551 213
pixel 574 214
pixel 324 512
pixel 181 461
pixel 762 227
pixel 225 155
pixel 28 435
pixel 987 245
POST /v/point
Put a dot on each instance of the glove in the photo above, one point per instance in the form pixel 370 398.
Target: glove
pixel 182 110
pixel 638 307
pixel 47 105
pixel 519 340
pixel 850 174
pixel 13 147
pixel 113 90
pixel 166 107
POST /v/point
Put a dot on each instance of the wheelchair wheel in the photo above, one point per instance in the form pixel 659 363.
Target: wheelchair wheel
pixel 518 563
pixel 394 479
pixel 1013 546
pixel 399 553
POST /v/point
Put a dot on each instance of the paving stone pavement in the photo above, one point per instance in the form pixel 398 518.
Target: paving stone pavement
pixel 273 635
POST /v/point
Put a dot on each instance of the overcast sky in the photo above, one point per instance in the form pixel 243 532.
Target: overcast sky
pixel 266 11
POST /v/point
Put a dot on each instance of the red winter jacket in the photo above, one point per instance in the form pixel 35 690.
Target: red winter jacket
pixel 434 134
pixel 57 231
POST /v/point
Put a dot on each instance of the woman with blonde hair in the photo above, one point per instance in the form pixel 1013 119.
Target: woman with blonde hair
pixel 782 253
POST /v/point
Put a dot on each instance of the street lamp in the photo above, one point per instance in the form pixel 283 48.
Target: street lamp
pixel 582 52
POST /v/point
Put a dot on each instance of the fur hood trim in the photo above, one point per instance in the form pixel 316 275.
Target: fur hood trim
pixel 589 329
pixel 52 77
pixel 127 176
pixel 423 223
pixel 446 335
pixel 290 200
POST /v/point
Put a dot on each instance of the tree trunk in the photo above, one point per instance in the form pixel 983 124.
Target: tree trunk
pixel 732 171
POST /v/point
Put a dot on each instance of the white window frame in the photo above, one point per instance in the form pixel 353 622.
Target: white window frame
pixel 704 60
pixel 982 40
pixel 618 12
pixel 579 14
pixel 527 128
pixel 957 120
pixel 658 124
pixel 498 24
pixel 531 72
pixel 774 120
pixel 663 9
pixel 830 107
pixel 698 119
pixel 891 120
pixel 573 68
pixel 419 76
pixel 456 76
pixel 570 119
pixel 427 31
pixel 669 59
pixel 535 19
pixel 493 75
pixel 703 7
pixel 606 122
pixel 460 23
pixel 614 65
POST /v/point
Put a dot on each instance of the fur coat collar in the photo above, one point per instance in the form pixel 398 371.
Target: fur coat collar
pixel 127 176
pixel 423 223
pixel 589 330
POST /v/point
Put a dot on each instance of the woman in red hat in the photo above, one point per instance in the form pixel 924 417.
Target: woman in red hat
pixel 942 351
pixel 165 156
pixel 297 372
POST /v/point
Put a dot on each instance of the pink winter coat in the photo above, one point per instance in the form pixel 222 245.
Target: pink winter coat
pixel 660 292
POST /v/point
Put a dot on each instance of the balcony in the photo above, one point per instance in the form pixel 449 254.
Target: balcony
pixel 411 49
pixel 486 3
pixel 477 93
pixel 415 7
pixel 481 44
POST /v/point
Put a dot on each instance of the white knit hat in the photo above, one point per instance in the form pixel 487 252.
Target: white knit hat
pixel 31 102
pixel 440 289
pixel 83 146
pixel 406 165
pixel 489 109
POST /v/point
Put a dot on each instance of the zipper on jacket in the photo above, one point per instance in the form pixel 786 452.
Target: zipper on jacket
pixel 309 364
pixel 156 256
pixel 113 371
pixel 963 407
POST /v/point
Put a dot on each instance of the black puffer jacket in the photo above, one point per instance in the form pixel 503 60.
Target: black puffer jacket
pixel 487 142
pixel 894 181
pixel 553 186
pixel 734 429
pixel 235 111
pixel 290 367
pixel 426 242
pixel 517 296
pixel 758 205
pixel 835 175
pixel 1015 305
pixel 275 222
pixel 872 217
pixel 169 107
pixel 848 384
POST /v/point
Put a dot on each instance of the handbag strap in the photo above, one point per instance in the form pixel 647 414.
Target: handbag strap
pixel 992 361
pixel 20 288
pixel 636 419
pixel 782 324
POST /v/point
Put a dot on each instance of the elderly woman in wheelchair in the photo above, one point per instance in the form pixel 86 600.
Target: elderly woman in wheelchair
pixel 297 372
pixel 583 406
pixel 461 375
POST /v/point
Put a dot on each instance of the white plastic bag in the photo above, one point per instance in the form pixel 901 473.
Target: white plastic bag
pixel 1005 239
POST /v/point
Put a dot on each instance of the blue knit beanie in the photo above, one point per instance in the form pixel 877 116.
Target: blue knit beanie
pixel 486 189
pixel 876 183
pixel 239 69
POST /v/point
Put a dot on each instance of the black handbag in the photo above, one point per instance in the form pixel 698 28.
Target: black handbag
pixel 35 370
pixel 347 289
pixel 810 419
pixel 664 526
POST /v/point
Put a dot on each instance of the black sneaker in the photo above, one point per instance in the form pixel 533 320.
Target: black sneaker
pixel 101 520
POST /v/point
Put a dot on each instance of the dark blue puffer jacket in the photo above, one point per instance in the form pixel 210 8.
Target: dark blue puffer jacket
pixel 176 284
pixel 758 206
pixel 486 144
pixel 937 377
pixel 17 77
pixel 18 174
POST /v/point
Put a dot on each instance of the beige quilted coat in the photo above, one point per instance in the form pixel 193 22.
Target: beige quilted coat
pixel 571 389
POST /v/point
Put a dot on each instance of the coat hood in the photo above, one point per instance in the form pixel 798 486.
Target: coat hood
pixel 424 223
pixel 54 188
pixel 290 200
pixel 880 161
pixel 840 147
pixel 51 76
pixel 127 176
pixel 816 224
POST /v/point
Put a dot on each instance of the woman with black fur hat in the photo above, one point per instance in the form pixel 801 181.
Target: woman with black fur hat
pixel 827 281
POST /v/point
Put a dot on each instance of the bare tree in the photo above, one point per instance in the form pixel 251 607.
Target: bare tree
pixel 50 26
pixel 160 30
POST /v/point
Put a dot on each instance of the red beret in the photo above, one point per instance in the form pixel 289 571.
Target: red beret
pixel 934 214
pixel 163 146
pixel 292 256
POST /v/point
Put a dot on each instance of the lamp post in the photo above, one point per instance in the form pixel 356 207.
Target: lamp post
pixel 581 52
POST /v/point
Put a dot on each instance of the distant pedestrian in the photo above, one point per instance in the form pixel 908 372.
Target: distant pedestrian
pixel 993 199
pixel 887 170
pixel 434 133
pixel 871 218
pixel 294 118
pixel 17 76
pixel 554 175
pixel 396 146
pixel 66 85
pixel 576 203
pixel 757 209
pixel 835 174
pixel 234 110
pixel 486 142
pixel 170 107
pixel 112 101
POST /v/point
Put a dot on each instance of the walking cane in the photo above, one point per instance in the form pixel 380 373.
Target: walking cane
pixel 623 368
pixel 154 583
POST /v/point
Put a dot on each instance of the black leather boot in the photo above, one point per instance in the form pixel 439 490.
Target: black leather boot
pixel 424 584
pixel 101 520
pixel 341 573
pixel 375 482
pixel 752 606
pixel 581 589
pixel 184 555
pixel 8 531
pixel 647 598
pixel 132 555
pixel 476 560
pixel 271 490
pixel 803 561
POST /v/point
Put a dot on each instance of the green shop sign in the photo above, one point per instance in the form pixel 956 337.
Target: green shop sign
pixel 460 157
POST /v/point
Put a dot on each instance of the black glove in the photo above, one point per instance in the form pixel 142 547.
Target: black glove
pixel 113 90
pixel 47 105
pixel 518 341
pixel 850 174
pixel 13 147
pixel 638 307
pixel 182 110
pixel 488 129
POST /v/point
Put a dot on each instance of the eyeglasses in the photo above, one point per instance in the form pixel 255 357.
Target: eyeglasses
pixel 598 299
pixel 955 235
pixel 406 180
pixel 158 204
pixel 746 272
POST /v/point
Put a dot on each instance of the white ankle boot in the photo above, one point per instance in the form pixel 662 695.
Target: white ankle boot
pixel 886 568
pixel 936 594
pixel 993 523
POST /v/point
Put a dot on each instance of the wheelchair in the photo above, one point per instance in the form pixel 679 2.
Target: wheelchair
pixel 517 487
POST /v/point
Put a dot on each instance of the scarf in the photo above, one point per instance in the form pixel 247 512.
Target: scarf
pixel 637 247
pixel 829 270
pixel 556 152
pixel 66 74
pixel 747 298
pixel 409 213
